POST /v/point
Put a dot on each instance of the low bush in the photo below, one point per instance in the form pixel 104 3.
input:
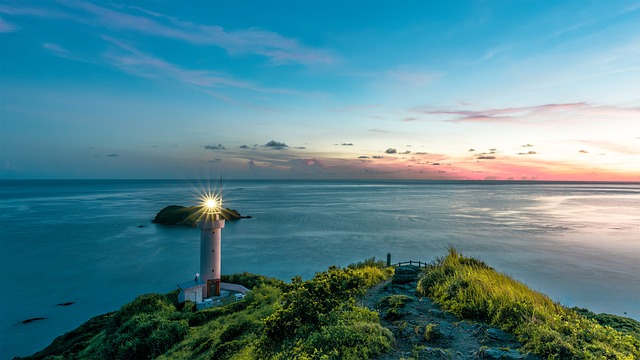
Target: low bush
pixel 318 318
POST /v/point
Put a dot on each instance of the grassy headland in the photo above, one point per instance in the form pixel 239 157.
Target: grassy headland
pixel 321 318
pixel 472 290
pixel 311 319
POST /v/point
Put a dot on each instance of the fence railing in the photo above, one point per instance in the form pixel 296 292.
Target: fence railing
pixel 421 264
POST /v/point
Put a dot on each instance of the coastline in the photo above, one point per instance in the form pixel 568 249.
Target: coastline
pixel 452 334
pixel 575 251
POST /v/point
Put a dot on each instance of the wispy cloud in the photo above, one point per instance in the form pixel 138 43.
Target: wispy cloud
pixel 413 78
pixel 278 49
pixel 531 113
pixel 7 27
pixel 612 147
pixel 131 60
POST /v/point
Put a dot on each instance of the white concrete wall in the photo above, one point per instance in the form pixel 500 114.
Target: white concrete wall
pixel 234 287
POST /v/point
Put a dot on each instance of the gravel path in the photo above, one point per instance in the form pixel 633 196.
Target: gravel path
pixel 422 330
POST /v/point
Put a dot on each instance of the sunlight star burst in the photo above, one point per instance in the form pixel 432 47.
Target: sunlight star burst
pixel 211 203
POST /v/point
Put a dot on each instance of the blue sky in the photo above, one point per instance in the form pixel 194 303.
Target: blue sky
pixel 545 90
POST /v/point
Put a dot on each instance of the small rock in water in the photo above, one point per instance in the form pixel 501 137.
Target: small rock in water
pixel 32 320
pixel 66 303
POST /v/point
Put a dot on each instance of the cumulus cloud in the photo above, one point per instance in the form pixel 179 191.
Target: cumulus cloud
pixel 276 145
pixel 391 151
pixel 300 147
pixel 215 147
pixel 363 157
pixel 405 152
pixel 583 151
pixel 377 157
pixel 347 144
pixel 528 153
pixel 472 149
pixel 485 157
pixel 244 147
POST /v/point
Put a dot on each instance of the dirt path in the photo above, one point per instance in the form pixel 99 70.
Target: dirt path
pixel 422 330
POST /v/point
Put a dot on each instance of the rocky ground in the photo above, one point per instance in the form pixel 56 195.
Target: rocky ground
pixel 422 330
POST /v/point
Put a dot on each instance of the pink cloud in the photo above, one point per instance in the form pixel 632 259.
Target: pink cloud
pixel 532 113
pixel 612 147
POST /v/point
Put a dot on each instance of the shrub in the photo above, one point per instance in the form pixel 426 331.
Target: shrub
pixel 250 280
pixel 318 318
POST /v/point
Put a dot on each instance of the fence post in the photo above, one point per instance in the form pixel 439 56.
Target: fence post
pixel 388 259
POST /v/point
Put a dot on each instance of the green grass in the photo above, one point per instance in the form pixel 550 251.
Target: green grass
pixel 472 290
pixel 321 319
pixel 313 319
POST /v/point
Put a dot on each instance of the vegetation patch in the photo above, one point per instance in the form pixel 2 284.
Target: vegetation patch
pixel 313 319
pixel 393 306
pixel 470 289
pixel 188 216
pixel 432 332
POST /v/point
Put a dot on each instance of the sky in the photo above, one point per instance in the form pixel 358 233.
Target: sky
pixel 478 90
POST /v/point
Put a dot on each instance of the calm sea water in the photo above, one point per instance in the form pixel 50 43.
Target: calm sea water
pixel 81 241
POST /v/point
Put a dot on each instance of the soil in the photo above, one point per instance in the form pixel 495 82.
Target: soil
pixel 422 330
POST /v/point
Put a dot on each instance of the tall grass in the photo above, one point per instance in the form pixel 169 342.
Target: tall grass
pixel 470 289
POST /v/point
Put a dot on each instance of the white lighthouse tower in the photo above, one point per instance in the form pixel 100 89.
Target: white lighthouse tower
pixel 210 252
pixel 206 289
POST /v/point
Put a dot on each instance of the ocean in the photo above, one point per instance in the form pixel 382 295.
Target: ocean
pixel 91 242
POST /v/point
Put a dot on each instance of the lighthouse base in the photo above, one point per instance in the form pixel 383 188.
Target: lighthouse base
pixel 213 288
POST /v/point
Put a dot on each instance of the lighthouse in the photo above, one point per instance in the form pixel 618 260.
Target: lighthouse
pixel 211 226
pixel 210 252
pixel 206 289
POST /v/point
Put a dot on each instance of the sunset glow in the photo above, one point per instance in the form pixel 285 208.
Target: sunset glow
pixel 464 90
